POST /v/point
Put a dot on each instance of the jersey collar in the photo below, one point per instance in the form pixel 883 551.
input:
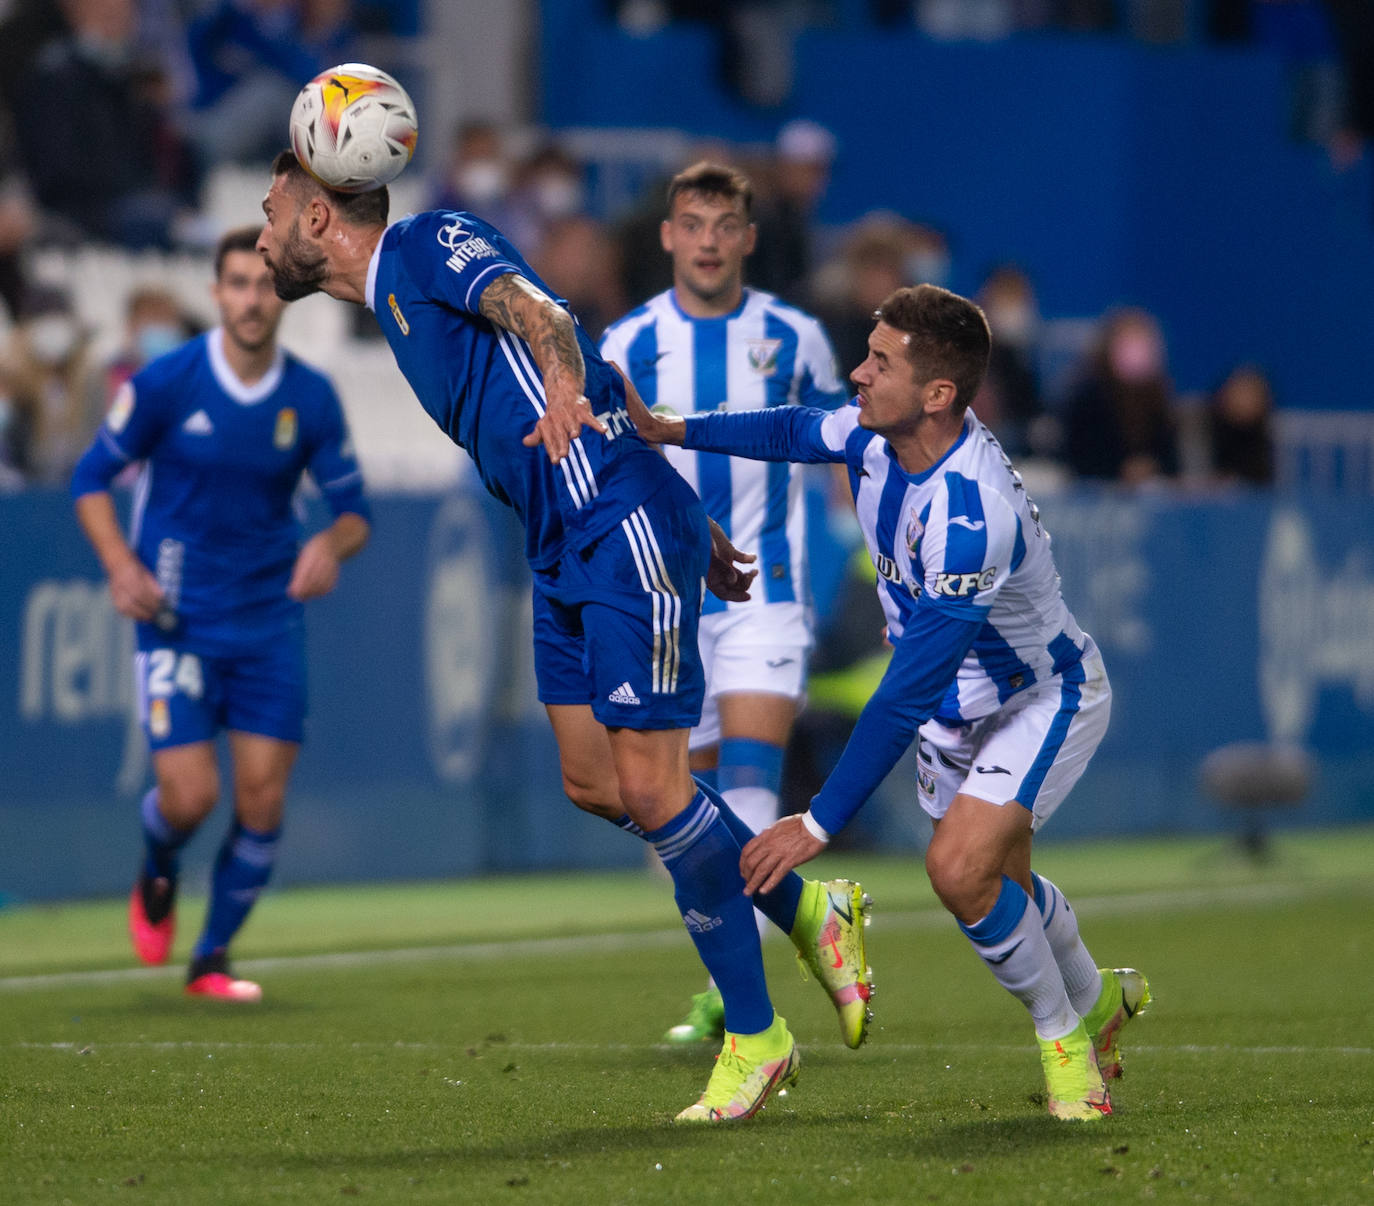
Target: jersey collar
pixel 244 395
pixel 370 289
pixel 735 313
pixel 926 474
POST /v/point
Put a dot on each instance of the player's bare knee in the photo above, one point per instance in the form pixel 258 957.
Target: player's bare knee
pixel 593 797
pixel 966 886
pixel 185 801
pixel 259 804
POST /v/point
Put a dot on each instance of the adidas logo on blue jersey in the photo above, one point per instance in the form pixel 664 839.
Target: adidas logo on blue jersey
pixel 623 694
pixel 198 424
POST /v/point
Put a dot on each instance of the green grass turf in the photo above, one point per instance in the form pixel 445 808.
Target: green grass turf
pixel 428 1043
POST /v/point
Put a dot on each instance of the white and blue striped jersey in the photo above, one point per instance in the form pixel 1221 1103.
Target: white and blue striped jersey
pixel 482 387
pixel 965 577
pixel 764 354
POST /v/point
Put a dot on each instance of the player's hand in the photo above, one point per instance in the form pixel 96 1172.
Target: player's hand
pixel 654 426
pixel 562 422
pixel 316 569
pixel 724 578
pixel 774 853
pixel 134 591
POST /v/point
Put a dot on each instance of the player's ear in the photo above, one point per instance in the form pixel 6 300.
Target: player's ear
pixel 751 237
pixel 665 235
pixel 317 215
pixel 938 395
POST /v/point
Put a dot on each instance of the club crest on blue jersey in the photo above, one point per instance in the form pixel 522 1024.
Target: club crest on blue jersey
pixel 915 529
pixel 121 409
pixel 763 355
pixel 284 434
pixel 397 315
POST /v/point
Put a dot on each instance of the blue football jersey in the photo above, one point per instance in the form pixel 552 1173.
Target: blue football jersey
pixel 482 387
pixel 765 353
pixel 213 514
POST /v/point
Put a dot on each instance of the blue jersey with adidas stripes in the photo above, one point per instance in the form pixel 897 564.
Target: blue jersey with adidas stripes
pixel 965 577
pixel 482 387
pixel 213 516
pixel 765 353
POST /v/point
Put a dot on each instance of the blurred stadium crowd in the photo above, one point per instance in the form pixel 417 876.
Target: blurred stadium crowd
pixel 133 132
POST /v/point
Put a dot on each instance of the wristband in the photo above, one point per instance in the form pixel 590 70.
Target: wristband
pixel 813 828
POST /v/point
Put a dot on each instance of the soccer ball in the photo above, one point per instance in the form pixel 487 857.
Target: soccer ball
pixel 353 128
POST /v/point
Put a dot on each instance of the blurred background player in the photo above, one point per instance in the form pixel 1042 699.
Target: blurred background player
pixel 619 548
pixel 1005 696
pixel 705 344
pixel 214 574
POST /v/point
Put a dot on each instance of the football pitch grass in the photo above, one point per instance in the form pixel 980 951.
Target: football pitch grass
pixel 499 1041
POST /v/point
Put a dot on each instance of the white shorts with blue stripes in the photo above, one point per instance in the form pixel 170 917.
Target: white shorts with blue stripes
pixel 1032 750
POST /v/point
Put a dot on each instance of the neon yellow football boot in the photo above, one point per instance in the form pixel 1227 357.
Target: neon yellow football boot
pixel 748 1069
pixel 705 1020
pixel 1125 993
pixel 829 936
pixel 1077 1092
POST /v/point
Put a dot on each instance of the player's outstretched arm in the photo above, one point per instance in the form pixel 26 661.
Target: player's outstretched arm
pixel 317 564
pixel 655 427
pixel 133 590
pixel 514 304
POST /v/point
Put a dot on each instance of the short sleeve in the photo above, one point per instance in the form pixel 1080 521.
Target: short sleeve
pixel 969 547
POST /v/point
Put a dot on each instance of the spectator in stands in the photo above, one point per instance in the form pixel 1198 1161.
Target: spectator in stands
pixel 549 187
pixel 18 223
pixel 1119 419
pixel 96 137
pixel 1010 401
pixel 1239 422
pixel 479 175
pixel 154 324
pixel 873 261
pixel 582 263
pixel 250 58
pixel 56 396
pixel 786 208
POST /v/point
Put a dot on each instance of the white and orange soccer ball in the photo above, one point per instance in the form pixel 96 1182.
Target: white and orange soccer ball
pixel 353 128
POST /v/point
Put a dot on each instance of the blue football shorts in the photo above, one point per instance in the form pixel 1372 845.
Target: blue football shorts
pixel 184 696
pixel 615 624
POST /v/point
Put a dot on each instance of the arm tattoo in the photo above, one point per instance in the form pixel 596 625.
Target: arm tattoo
pixel 513 303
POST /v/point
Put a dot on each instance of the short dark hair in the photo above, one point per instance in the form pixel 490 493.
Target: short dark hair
pixel 712 180
pixel 949 336
pixel 358 209
pixel 241 238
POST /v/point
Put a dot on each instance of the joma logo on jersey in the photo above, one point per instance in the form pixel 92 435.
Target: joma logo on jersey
pixel 464 246
pixel 763 355
pixel 957 586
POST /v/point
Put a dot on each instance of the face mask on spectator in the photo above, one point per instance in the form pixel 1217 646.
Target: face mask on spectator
pixel 52 338
pixel 557 196
pixel 156 339
pixel 481 181
pixel 1012 323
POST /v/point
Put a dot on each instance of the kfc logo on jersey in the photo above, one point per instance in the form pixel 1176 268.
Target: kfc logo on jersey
pixel 763 355
pixel 463 246
pixel 959 586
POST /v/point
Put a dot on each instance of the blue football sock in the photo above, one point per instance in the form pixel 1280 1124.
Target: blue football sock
pixel 703 858
pixel 242 869
pixel 779 905
pixel 161 842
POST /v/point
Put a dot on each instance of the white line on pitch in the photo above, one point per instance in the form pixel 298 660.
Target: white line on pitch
pixel 1174 900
